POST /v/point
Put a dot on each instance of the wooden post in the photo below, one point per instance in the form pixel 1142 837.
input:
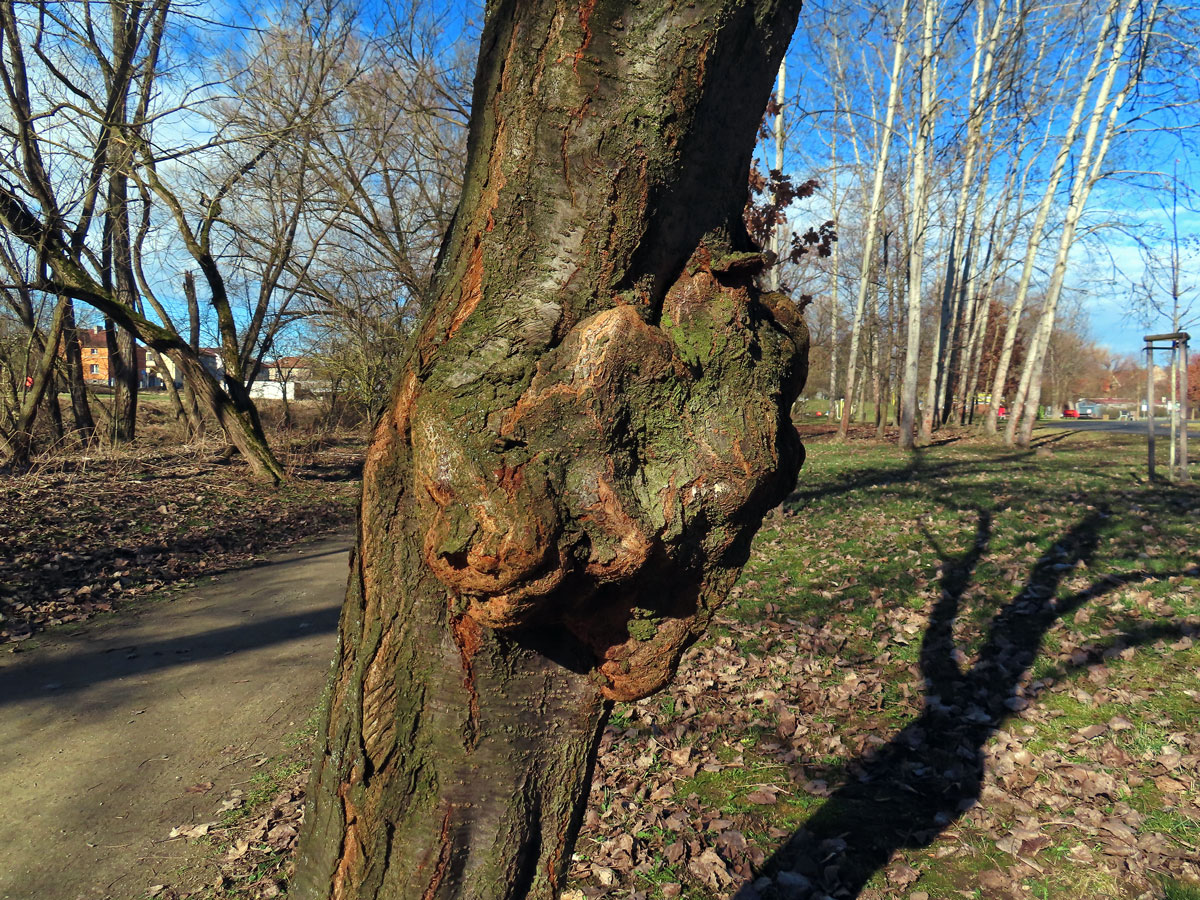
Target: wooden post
pixel 1184 475
pixel 1150 405
pixel 1178 341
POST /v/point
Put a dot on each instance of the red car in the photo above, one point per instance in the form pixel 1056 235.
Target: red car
pixel 1070 414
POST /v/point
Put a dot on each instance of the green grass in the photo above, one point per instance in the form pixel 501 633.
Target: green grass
pixel 882 564
pixel 1179 890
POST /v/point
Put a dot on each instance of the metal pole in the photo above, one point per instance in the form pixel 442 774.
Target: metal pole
pixel 1150 405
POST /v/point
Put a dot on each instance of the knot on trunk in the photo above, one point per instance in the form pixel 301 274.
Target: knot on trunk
pixel 618 494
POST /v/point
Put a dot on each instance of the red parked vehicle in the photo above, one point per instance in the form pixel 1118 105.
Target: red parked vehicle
pixel 1070 414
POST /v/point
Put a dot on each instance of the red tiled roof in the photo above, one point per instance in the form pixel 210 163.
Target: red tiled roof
pixel 92 337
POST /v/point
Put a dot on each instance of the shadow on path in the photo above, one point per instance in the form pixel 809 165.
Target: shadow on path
pixel 41 677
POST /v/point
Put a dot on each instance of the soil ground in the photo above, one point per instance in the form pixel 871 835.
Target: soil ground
pixel 130 728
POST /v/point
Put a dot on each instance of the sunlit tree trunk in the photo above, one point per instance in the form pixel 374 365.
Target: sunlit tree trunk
pixel 919 213
pixel 1036 235
pixel 591 424
pixel 190 407
pixel 1102 123
pixel 874 210
pixel 979 97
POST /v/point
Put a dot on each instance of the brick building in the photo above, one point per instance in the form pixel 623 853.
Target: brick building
pixel 95 358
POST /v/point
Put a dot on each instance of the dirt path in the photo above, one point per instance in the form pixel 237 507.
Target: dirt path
pixel 102 733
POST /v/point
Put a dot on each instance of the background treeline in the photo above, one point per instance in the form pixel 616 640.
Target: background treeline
pixel 966 151
pixel 276 182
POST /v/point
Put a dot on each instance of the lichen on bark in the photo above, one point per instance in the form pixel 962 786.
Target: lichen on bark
pixel 630 472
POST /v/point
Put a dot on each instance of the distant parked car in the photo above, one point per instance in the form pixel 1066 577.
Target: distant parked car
pixel 1070 414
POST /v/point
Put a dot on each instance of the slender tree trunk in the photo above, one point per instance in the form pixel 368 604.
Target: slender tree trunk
pixel 834 283
pixel 124 368
pixel 20 444
pixel 123 351
pixel 979 95
pixel 874 210
pixel 172 391
pixel 929 415
pixel 81 411
pixel 195 418
pixel 877 379
pixel 833 342
pixel 520 560
pixel 920 217
pixel 1106 108
pixel 1066 144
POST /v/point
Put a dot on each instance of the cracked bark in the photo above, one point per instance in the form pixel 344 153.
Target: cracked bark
pixel 592 421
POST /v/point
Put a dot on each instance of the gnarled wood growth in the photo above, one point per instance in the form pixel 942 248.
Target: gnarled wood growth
pixel 591 424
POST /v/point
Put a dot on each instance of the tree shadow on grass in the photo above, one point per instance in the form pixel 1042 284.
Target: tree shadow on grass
pixel 917 469
pixel 908 791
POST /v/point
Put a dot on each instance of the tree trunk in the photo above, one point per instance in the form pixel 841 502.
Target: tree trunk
pixel 1097 140
pixel 592 421
pixel 123 351
pixel 1066 143
pixel 920 220
pixel 81 411
pixel 52 409
pixel 172 391
pixel 122 363
pixel 195 418
pixel 874 210
pixel 20 445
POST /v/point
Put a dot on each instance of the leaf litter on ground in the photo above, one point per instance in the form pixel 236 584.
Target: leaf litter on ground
pixel 88 534
pixel 967 672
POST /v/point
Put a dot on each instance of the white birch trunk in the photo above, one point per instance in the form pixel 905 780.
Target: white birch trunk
pixel 1105 111
pixel 873 212
pixel 920 215
pixel 1043 214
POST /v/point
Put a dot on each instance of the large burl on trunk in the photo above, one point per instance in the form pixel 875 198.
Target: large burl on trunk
pixel 591 424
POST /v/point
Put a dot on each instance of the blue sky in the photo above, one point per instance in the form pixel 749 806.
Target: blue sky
pixel 1107 267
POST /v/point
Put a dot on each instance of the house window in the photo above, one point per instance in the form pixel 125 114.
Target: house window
pixel 92 351
pixel 93 368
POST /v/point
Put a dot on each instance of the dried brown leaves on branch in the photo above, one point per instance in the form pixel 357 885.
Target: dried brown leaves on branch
pixel 770 197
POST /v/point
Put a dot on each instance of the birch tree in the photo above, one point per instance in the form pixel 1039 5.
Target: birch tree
pixel 919 219
pixel 979 99
pixel 1102 126
pixel 874 211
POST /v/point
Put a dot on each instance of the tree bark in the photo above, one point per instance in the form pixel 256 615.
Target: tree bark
pixel 920 221
pixel 20 444
pixel 874 211
pixel 122 367
pixel 592 421
pixel 1037 233
pixel 81 410
pixel 195 418
pixel 1102 124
